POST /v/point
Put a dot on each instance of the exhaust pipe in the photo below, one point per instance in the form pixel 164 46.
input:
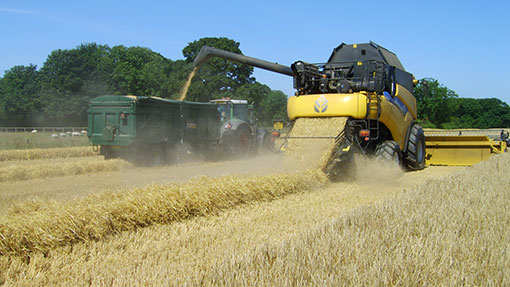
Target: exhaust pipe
pixel 207 52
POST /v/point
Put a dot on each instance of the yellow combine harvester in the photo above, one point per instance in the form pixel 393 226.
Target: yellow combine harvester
pixel 367 84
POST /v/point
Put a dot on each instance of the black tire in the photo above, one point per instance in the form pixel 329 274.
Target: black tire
pixel 389 151
pixel 107 152
pixel 242 143
pixel 415 156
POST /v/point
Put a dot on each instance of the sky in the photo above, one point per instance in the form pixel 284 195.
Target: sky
pixel 463 44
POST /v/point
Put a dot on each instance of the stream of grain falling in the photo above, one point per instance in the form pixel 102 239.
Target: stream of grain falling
pixel 184 90
pixel 306 149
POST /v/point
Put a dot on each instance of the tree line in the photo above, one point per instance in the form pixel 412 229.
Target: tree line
pixel 58 93
pixel 440 107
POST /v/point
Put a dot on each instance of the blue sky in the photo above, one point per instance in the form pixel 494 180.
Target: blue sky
pixel 463 44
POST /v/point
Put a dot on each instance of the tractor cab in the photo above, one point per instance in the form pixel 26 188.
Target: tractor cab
pixel 234 109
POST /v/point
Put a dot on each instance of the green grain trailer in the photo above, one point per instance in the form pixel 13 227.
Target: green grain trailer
pixel 151 130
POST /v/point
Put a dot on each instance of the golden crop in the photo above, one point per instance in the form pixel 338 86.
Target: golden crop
pixel 450 232
pixel 23 172
pixel 97 216
pixel 33 154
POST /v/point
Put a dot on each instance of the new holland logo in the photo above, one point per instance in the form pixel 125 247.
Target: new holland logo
pixel 321 105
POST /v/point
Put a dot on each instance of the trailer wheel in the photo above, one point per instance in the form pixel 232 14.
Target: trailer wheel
pixel 154 156
pixel 388 151
pixel 171 154
pixel 415 157
pixel 107 152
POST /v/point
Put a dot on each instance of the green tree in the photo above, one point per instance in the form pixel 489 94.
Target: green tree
pixel 273 107
pixel 69 79
pixel 252 92
pixel 479 113
pixel 434 101
pixel 139 71
pixel 19 102
pixel 269 105
pixel 218 77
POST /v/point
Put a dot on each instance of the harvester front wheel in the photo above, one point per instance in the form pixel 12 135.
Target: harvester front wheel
pixel 388 151
pixel 415 158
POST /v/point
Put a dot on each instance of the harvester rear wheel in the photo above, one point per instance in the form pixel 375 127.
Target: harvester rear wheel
pixel 388 151
pixel 415 157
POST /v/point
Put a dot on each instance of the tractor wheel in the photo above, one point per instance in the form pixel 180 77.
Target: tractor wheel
pixel 242 142
pixel 415 158
pixel 388 151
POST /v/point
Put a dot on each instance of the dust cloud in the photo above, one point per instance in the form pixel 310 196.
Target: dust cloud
pixel 371 171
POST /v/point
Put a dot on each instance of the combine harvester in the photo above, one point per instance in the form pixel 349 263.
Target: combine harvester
pixel 367 85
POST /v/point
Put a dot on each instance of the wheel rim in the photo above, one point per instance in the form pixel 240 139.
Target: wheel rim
pixel 419 152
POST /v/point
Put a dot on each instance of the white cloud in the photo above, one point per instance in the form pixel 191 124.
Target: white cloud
pixel 17 11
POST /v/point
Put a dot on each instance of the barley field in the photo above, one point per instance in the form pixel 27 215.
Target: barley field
pixel 251 222
pixel 45 153
pixel 18 172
